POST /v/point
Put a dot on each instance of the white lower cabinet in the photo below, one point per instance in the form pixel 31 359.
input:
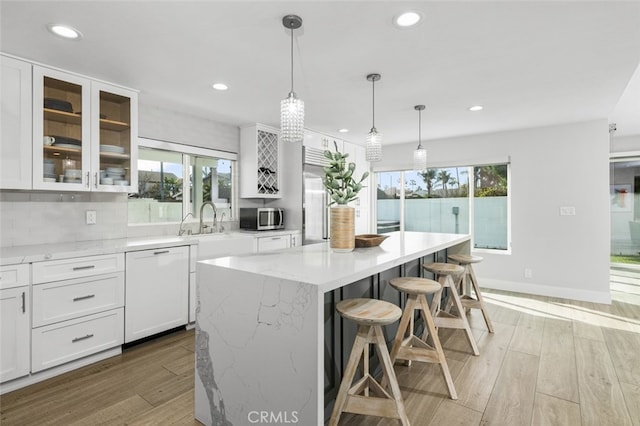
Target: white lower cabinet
pixel 78 308
pixel 157 291
pixel 14 325
pixel 66 341
pixel 274 243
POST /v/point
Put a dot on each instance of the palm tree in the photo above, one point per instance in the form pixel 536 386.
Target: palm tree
pixel 428 176
pixel 444 177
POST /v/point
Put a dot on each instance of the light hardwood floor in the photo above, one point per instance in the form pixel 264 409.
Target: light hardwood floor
pixel 550 362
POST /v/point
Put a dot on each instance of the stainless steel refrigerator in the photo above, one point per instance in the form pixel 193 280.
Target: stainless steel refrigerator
pixel 315 211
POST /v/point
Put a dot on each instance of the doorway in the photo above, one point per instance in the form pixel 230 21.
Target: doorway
pixel 624 180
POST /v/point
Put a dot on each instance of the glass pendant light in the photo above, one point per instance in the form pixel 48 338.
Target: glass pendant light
pixel 374 139
pixel 292 108
pixel 420 154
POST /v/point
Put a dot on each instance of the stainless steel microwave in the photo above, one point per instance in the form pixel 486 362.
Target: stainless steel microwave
pixel 261 218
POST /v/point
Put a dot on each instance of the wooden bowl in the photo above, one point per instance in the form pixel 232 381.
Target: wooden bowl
pixel 370 240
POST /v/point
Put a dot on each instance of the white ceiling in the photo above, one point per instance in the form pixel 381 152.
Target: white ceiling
pixel 529 63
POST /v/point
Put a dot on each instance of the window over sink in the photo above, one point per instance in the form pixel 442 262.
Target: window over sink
pixel 174 180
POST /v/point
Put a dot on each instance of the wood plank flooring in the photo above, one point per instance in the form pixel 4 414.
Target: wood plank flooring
pixel 550 362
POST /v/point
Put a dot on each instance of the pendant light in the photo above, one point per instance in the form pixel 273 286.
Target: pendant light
pixel 374 139
pixel 292 108
pixel 420 154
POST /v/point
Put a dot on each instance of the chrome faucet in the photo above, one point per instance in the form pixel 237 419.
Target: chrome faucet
pixel 202 225
pixel 181 231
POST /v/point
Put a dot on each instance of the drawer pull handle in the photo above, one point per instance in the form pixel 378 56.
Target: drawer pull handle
pixel 160 252
pixel 78 339
pixel 80 268
pixel 88 296
pixel 23 303
pixel 276 238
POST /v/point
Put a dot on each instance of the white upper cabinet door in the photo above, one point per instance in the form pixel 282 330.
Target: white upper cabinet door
pixel 114 138
pixel 260 162
pixel 15 124
pixel 61 112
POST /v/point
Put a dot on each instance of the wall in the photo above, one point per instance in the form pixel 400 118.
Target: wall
pixel 625 143
pixel 28 217
pixel 554 166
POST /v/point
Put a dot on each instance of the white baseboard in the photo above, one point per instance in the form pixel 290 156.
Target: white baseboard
pixel 547 290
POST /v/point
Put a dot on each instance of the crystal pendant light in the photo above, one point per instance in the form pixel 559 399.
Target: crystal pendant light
pixel 374 139
pixel 292 108
pixel 420 154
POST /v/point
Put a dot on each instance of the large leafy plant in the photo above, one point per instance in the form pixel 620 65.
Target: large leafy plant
pixel 338 178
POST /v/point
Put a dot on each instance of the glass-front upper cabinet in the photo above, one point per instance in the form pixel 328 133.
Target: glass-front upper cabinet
pixel 114 129
pixel 61 130
pixel 84 134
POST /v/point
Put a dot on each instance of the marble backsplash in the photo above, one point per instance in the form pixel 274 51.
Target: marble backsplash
pixel 57 217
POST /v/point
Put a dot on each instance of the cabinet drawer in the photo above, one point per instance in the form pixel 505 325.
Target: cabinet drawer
pixel 14 276
pixel 63 300
pixel 273 243
pixel 63 342
pixel 77 267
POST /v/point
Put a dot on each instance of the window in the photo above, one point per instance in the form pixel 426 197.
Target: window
pixel 175 180
pixel 442 200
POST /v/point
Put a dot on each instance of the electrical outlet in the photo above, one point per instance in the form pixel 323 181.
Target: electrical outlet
pixel 528 273
pixel 92 217
pixel 567 211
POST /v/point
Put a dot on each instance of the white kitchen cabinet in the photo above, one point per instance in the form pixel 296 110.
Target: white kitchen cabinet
pixel 15 322
pixel 274 242
pixel 362 206
pixel 157 291
pixel 260 162
pixel 94 129
pixel 66 341
pixel 313 139
pixel 77 308
pixel 193 295
pixel 15 119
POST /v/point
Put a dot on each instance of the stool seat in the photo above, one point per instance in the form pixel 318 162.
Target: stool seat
pixel 369 311
pixel 464 259
pixel 415 285
pixel 444 268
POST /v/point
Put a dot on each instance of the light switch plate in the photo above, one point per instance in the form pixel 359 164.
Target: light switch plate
pixel 567 211
pixel 92 217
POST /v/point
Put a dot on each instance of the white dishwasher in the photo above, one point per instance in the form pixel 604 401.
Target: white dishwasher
pixel 157 291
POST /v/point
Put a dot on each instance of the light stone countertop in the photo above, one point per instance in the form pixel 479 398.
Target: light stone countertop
pixel 41 252
pixel 317 264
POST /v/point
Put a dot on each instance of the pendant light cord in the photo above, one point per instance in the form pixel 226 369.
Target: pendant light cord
pixel 291 58
pixel 419 128
pixel 373 103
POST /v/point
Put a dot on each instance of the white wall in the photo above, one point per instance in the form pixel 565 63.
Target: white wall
pixel 565 165
pixel 625 143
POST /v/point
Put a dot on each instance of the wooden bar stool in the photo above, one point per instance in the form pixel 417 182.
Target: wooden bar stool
pixel 370 315
pixel 408 346
pixel 448 275
pixel 467 300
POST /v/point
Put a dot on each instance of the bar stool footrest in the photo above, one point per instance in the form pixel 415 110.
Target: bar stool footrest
pixel 371 406
pixel 374 387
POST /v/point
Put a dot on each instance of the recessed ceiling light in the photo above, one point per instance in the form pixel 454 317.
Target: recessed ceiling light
pixel 476 108
pixel 343 130
pixel 220 86
pixel 407 19
pixel 64 31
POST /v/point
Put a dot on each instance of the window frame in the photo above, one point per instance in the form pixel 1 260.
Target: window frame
pixel 471 200
pixel 187 151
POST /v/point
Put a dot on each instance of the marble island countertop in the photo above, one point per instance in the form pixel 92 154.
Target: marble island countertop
pixel 316 264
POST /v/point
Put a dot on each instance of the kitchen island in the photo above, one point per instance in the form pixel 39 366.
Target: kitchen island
pixel 269 348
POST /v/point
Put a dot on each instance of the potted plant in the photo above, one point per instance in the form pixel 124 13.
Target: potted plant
pixel 343 188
